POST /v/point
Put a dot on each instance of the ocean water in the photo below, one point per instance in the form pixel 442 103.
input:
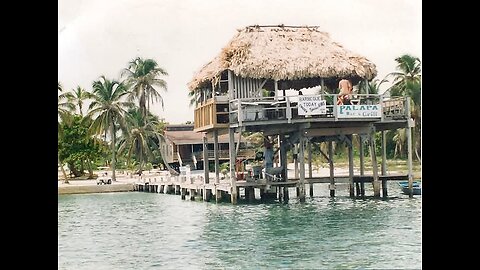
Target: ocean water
pixel 136 230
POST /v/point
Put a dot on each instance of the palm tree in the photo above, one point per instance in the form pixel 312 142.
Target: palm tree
pixel 139 138
pixel 409 74
pixel 77 96
pixel 195 98
pixel 107 110
pixel 141 75
pixel 64 108
pixel 407 82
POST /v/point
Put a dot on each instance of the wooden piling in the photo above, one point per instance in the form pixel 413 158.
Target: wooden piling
pixel 362 165
pixel 285 194
pixel 330 163
pixel 302 166
pixel 384 165
pixel 215 153
pixel 376 184
pixel 350 165
pixel 409 149
pixel 183 193
pixel 233 192
pixel 310 173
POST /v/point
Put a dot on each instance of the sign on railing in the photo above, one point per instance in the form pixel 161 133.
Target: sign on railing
pixel 359 111
pixel 311 105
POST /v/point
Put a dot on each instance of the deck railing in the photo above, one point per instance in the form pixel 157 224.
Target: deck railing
pixel 374 108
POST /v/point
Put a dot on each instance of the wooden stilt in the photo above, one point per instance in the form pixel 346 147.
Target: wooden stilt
pixel 206 174
pixel 283 157
pixel 285 194
pixel 215 153
pixel 362 164
pixel 330 163
pixel 409 149
pixel 302 166
pixel 310 173
pixel 376 183
pixel 295 160
pixel 233 193
pixel 183 193
pixel 384 165
pixel 350 165
pixel 193 193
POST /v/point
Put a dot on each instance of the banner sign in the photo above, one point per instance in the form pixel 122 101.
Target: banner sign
pixel 311 105
pixel 359 111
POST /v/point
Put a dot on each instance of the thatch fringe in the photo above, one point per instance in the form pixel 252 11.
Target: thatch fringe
pixel 284 53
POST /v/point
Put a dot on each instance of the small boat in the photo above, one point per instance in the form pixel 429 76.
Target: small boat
pixel 417 188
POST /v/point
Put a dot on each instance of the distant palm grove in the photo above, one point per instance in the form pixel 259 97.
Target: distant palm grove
pixel 118 130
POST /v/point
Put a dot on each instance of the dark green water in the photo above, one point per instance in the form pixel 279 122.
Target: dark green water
pixel 158 231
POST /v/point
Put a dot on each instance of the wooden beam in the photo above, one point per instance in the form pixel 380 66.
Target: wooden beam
pixel 330 163
pixel 233 191
pixel 350 166
pixel 376 184
pixel 302 166
pixel 335 131
pixel 310 167
pixel 362 168
pixel 215 153
pixel 384 165
pixel 409 151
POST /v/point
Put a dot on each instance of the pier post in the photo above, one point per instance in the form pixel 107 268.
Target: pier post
pixel 384 165
pixel 409 148
pixel 350 165
pixel 231 149
pixel 183 192
pixel 376 184
pixel 192 194
pixel 284 164
pixel 285 194
pixel 330 163
pixel 215 153
pixel 295 160
pixel 206 172
pixel 310 173
pixel 362 168
pixel 302 166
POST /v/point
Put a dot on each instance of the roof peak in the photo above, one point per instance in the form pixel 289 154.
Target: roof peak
pixel 282 26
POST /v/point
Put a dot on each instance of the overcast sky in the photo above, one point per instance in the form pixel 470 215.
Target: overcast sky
pixel 99 37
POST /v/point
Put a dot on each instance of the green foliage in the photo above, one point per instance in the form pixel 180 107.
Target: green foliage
pixel 76 146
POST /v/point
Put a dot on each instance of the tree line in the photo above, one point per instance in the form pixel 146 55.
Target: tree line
pixel 117 121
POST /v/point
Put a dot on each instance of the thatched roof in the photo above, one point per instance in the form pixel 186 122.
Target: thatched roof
pixel 284 53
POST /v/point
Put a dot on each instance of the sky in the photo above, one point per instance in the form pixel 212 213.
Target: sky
pixel 98 38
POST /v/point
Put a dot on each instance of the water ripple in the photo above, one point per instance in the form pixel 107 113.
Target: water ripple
pixel 158 231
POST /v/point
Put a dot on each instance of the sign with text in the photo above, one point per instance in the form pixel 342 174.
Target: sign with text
pixel 311 105
pixel 359 111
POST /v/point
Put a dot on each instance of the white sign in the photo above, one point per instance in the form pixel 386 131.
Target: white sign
pixel 359 111
pixel 311 105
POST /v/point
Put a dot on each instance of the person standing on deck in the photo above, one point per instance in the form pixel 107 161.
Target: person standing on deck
pixel 346 88
pixel 268 154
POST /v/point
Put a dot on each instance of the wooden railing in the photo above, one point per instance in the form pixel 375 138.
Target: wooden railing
pixel 224 154
pixel 211 114
pixel 286 108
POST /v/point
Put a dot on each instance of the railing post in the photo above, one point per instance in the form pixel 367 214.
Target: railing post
pixel 289 111
pixel 335 115
pixel 240 113
pixel 381 109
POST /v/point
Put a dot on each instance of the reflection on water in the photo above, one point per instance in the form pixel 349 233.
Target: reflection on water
pixel 158 231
